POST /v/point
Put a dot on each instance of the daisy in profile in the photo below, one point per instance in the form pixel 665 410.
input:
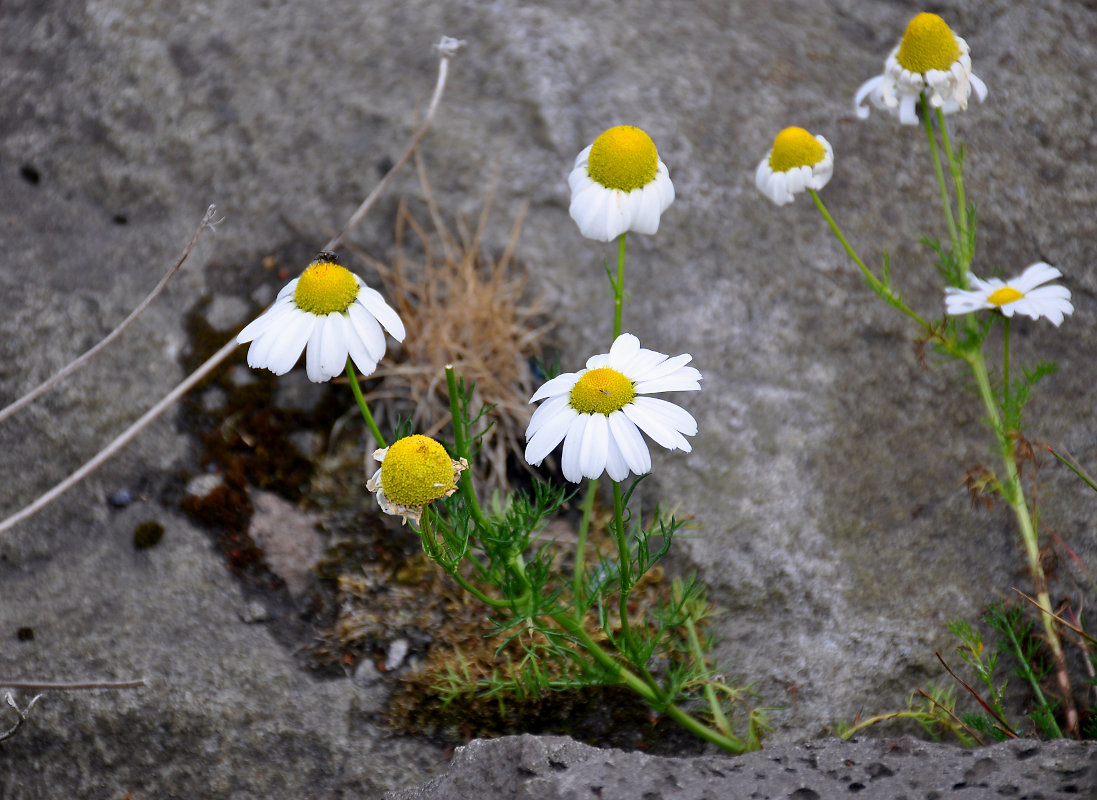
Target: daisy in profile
pixel 1022 295
pixel 330 314
pixel 619 184
pixel 415 471
pixel 797 161
pixel 930 59
pixel 599 412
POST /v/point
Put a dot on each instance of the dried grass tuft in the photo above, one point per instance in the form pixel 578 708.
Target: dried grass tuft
pixel 460 306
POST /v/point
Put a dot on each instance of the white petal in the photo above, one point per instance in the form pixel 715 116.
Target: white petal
pixel 629 441
pixel 569 461
pixel 376 305
pixel 333 347
pixel 291 342
pixel 312 352
pixel 624 348
pixel 866 88
pixel 561 384
pixel 594 446
pixel 544 440
pixel 656 426
pixel 547 409
pixel 670 413
pixel 659 369
pixel 358 352
pixel 1033 276
pixel 369 331
pixel 269 318
pixel 616 467
pixel 599 212
pixel 685 380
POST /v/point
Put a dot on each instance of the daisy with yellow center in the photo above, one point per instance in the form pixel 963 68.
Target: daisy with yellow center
pixel 415 471
pixel 599 412
pixel 619 184
pixel 797 161
pixel 329 313
pixel 1021 295
pixel 930 59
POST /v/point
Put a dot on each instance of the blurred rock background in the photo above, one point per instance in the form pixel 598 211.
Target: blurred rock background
pixel 826 479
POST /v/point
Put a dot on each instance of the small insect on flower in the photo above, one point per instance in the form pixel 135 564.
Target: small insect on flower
pixel 330 314
pixel 930 59
pixel 1021 295
pixel 618 184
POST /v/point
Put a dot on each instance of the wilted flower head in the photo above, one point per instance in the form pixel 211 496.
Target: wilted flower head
pixel 797 161
pixel 415 471
pixel 930 59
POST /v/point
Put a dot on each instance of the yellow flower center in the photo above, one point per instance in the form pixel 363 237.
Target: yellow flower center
pixel 623 158
pixel 928 44
pixel 325 287
pixel 1007 294
pixel 416 471
pixel 795 147
pixel 602 391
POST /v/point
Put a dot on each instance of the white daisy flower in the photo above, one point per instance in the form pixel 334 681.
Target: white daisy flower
pixel 930 59
pixel 619 184
pixel 797 161
pixel 331 314
pixel 599 412
pixel 415 471
pixel 1022 295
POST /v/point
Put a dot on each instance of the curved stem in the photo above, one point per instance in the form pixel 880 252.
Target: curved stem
pixel 651 694
pixel 579 578
pixel 461 445
pixel 619 287
pixel 624 567
pixel 430 547
pixel 363 406
pixel 957 170
pixel 941 185
pixel 1014 495
pixel 875 283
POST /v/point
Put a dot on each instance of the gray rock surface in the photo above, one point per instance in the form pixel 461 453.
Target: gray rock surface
pixel 824 482
pixel 559 768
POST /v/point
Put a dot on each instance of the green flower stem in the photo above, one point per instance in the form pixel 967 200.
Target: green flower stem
pixel 942 187
pixel 624 565
pixel 580 578
pixel 619 287
pixel 1014 495
pixel 957 169
pixel 698 653
pixel 655 697
pixel 1005 358
pixel 354 387
pixel 875 283
pixel 430 547
pixel 461 445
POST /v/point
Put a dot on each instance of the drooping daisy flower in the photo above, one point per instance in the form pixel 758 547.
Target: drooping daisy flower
pixel 797 161
pixel 931 59
pixel 599 412
pixel 1022 295
pixel 619 184
pixel 328 312
pixel 415 471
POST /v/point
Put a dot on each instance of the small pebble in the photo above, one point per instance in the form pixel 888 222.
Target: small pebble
pixel 397 652
pixel 120 499
pixel 254 612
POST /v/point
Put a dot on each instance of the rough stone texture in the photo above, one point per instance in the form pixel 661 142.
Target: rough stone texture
pixel 824 480
pixel 559 768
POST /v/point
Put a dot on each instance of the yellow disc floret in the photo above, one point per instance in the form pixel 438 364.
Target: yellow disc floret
pixel 602 391
pixel 928 44
pixel 1007 294
pixel 623 158
pixel 417 470
pixel 325 287
pixel 793 148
